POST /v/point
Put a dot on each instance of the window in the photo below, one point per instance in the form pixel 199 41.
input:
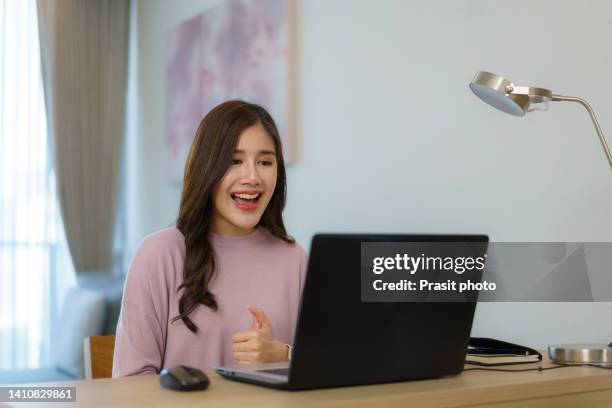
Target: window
pixel 35 268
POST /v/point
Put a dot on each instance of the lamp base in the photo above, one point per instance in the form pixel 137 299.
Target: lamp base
pixel 597 354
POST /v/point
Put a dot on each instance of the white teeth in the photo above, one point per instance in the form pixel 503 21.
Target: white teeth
pixel 248 196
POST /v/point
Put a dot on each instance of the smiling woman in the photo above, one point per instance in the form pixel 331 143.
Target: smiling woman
pixel 243 194
pixel 222 286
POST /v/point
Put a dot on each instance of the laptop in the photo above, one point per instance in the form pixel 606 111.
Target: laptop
pixel 342 341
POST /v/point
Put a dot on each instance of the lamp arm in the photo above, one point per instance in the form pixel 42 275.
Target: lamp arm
pixel 588 107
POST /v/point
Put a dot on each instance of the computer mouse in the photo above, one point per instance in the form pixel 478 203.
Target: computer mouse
pixel 183 378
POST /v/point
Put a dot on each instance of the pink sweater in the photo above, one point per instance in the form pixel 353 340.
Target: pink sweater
pixel 254 270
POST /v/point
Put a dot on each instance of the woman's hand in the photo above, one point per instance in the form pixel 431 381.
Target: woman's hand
pixel 258 345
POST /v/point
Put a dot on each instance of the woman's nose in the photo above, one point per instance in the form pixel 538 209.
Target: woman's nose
pixel 250 173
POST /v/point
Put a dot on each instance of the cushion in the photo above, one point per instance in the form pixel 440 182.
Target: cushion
pixel 82 316
pixel 112 286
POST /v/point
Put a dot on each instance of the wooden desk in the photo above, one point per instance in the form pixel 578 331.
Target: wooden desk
pixel 563 387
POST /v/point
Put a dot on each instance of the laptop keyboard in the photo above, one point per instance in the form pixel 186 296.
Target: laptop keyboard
pixel 279 371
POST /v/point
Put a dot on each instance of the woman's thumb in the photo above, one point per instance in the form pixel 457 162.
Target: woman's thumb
pixel 260 320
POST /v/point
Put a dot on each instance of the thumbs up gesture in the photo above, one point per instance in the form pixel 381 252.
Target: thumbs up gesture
pixel 258 344
pixel 260 320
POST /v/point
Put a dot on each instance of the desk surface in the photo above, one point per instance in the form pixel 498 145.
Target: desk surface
pixel 571 387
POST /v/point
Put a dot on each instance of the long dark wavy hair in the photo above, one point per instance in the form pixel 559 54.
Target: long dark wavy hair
pixel 209 158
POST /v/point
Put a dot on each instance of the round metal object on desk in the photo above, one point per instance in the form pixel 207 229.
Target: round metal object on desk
pixel 599 354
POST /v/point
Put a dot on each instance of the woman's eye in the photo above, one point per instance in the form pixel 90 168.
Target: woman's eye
pixel 236 161
pixel 266 162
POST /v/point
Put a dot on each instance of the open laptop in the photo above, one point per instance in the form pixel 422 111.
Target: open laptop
pixel 342 341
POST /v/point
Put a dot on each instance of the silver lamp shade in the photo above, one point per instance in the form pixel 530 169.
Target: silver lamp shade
pixel 516 100
pixel 502 94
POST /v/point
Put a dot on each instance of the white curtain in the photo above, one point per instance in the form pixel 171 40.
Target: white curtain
pixel 35 270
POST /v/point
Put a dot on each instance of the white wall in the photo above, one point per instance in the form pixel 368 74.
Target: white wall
pixel 393 140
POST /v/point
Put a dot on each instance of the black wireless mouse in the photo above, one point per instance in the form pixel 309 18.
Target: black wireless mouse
pixel 182 378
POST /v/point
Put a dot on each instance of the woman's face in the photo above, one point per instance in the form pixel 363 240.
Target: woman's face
pixel 242 195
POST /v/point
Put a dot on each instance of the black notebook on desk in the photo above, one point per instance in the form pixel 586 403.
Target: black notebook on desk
pixel 484 351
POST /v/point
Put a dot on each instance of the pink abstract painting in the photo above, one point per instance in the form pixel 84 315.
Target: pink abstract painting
pixel 238 49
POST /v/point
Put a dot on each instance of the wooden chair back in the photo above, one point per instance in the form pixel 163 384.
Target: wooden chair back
pixel 98 354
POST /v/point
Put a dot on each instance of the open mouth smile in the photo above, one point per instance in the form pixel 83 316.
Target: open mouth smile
pixel 246 201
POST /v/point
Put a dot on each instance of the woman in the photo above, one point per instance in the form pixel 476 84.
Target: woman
pixel 222 286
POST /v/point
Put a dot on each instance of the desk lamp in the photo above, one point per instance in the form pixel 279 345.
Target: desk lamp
pixel 517 100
